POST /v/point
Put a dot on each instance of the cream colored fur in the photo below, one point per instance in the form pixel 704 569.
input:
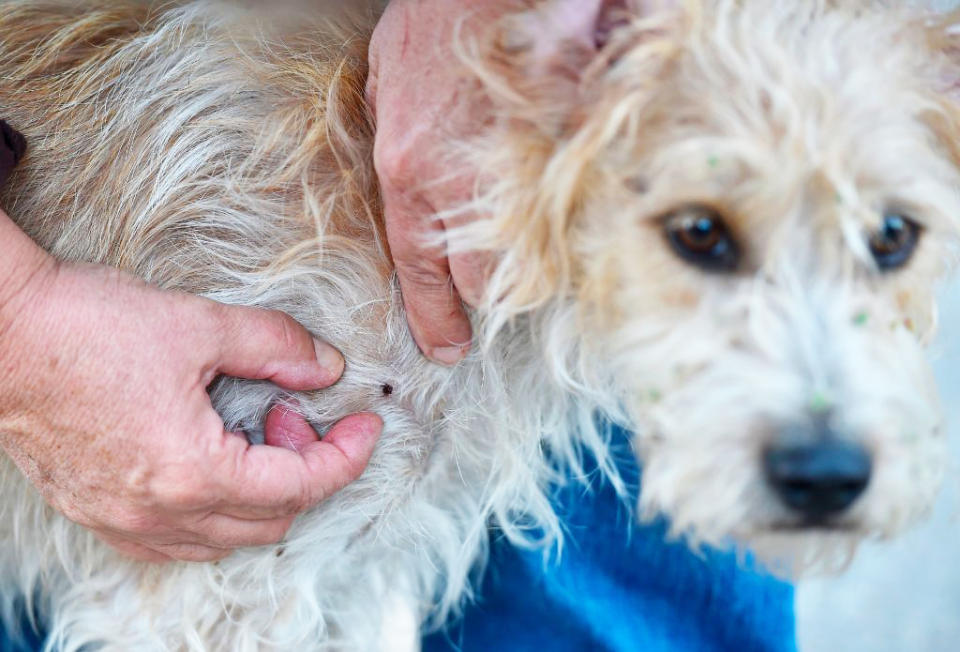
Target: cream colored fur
pixel 210 150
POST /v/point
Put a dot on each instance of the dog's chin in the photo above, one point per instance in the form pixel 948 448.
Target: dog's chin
pixel 793 552
pixel 790 549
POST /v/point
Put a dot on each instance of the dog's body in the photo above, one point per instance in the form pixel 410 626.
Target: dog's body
pixel 219 155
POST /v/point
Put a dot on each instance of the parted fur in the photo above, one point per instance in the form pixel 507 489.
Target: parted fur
pixel 208 149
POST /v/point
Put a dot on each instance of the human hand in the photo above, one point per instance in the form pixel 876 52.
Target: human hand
pixel 422 99
pixel 103 405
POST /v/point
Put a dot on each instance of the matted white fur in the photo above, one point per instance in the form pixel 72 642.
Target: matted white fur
pixel 230 156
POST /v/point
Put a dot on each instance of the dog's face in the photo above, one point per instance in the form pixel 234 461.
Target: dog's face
pixel 751 204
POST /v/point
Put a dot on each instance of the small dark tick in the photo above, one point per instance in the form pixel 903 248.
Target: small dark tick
pixel 387 390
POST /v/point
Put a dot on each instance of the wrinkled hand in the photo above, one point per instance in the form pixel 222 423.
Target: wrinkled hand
pixel 103 405
pixel 422 99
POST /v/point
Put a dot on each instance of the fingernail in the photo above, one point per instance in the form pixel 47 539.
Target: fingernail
pixel 329 358
pixel 449 355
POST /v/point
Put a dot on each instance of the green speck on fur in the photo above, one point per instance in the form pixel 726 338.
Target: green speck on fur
pixel 861 319
pixel 819 403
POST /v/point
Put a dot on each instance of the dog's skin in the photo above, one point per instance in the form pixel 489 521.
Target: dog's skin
pixel 208 151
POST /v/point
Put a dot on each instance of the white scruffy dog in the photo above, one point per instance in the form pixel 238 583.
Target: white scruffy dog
pixel 717 222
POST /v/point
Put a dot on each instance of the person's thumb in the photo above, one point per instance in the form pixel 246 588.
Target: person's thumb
pixel 268 345
pixel 281 481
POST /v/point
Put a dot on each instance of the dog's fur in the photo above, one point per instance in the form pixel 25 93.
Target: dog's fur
pixel 209 150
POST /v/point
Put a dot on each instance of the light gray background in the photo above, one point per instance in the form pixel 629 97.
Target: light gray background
pixel 902 596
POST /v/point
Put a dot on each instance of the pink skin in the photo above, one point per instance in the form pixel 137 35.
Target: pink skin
pixel 103 405
pixel 286 428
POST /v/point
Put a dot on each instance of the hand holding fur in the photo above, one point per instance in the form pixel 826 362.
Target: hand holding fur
pixel 104 407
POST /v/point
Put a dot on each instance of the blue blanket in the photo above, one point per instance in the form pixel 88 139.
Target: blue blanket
pixel 621 587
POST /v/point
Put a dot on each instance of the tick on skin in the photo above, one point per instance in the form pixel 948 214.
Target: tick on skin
pixel 387 390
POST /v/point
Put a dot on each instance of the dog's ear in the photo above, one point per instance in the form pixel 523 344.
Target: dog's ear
pixel 541 56
pixel 567 34
pixel 943 36
pixel 560 32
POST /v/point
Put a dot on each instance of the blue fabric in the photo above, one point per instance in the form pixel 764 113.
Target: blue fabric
pixel 620 588
pixel 617 588
pixel 26 640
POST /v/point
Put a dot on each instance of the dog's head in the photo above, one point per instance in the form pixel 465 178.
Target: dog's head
pixel 748 205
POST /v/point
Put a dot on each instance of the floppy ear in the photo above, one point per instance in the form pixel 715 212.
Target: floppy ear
pixel 567 34
pixel 943 36
pixel 541 54
pixel 944 30
pixel 559 28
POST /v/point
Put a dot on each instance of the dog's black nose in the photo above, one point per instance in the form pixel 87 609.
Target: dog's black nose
pixel 818 479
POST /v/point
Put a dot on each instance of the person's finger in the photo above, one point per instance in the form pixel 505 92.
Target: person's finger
pixel 227 532
pixel 269 345
pixel 286 428
pixel 272 482
pixel 133 550
pixel 437 318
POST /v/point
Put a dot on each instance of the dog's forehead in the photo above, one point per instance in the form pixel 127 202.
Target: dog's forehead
pixel 773 103
pixel 827 83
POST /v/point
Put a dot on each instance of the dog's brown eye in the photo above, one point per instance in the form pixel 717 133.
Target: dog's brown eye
pixel 699 236
pixel 894 242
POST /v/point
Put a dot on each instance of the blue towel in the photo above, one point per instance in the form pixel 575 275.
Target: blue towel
pixel 621 587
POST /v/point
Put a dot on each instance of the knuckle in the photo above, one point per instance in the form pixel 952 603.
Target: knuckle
pixel 181 493
pixel 424 275
pixel 304 499
pixel 134 523
pixel 291 507
pixel 283 330
pixel 289 332
pixel 408 253
pixel 394 161
pixel 218 314
pixel 298 505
